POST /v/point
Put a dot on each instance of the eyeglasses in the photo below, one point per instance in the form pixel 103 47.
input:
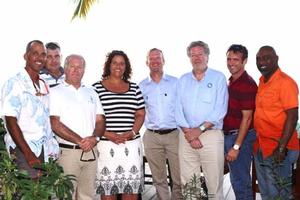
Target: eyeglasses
pixel 39 90
pixel 83 159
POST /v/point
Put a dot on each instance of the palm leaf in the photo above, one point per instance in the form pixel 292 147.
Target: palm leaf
pixel 83 7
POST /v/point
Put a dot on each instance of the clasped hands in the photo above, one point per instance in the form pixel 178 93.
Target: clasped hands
pixel 192 136
pixel 119 138
pixel 87 143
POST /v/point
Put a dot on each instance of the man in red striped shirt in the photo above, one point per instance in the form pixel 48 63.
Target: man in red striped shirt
pixel 238 125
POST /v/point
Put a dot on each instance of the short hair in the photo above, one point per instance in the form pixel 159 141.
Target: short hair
pixel 198 44
pixel 52 45
pixel 28 46
pixel 238 48
pixel 155 49
pixel 269 48
pixel 68 58
pixel 109 57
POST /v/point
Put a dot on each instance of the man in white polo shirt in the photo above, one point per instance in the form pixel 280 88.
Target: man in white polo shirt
pixel 78 119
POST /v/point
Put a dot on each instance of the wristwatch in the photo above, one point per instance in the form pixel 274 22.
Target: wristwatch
pixel 236 147
pixel 202 128
pixel 97 138
pixel 282 149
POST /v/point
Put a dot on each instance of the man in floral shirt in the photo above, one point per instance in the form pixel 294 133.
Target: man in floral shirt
pixel 24 102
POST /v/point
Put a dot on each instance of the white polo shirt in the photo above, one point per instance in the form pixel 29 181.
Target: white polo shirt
pixel 77 108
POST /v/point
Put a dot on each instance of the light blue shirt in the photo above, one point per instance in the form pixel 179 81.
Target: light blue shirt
pixel 160 99
pixel 202 101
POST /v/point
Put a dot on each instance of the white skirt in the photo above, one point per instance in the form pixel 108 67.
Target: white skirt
pixel 120 168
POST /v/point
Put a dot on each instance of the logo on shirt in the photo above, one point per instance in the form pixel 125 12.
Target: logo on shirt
pixel 209 85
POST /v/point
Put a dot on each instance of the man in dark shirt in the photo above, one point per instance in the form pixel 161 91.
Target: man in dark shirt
pixel 238 125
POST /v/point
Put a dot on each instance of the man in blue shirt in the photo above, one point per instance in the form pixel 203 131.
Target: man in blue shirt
pixel 200 109
pixel 161 137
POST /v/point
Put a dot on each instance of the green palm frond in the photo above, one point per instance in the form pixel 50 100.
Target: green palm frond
pixel 83 7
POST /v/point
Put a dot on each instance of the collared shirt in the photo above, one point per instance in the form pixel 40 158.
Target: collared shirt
pixel 242 92
pixel 200 101
pixel 160 99
pixel 273 98
pixel 19 100
pixel 77 108
pixel 51 80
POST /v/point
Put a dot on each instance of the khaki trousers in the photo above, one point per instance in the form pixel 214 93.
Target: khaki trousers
pixel 210 157
pixel 157 149
pixel 85 172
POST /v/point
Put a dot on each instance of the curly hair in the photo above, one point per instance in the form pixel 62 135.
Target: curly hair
pixel 106 69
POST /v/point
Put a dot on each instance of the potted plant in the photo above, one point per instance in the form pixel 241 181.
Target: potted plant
pixel 16 184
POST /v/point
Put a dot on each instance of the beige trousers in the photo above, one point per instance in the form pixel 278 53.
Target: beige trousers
pixel 85 172
pixel 157 149
pixel 210 157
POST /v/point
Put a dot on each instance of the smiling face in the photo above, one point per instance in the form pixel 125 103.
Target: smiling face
pixel 117 66
pixel 53 61
pixel 35 57
pixel 155 61
pixel 267 61
pixel 235 63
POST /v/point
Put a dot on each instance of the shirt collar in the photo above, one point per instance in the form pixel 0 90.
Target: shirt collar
pixel 164 77
pixel 45 71
pixel 69 85
pixel 243 76
pixel 274 76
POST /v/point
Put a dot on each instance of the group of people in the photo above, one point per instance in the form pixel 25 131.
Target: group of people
pixel 198 122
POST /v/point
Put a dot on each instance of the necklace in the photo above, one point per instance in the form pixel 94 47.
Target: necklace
pixel 38 90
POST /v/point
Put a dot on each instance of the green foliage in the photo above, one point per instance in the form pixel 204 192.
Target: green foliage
pixel 16 184
pixel 281 183
pixel 82 8
pixel 195 189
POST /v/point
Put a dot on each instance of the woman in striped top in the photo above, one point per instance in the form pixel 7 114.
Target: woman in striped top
pixel 120 150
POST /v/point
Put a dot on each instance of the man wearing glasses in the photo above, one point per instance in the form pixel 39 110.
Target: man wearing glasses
pixel 77 117
pixel 52 72
pixel 25 110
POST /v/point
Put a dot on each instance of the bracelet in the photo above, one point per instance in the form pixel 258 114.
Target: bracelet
pixel 134 134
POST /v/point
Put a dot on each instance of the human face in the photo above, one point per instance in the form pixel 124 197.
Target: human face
pixel 117 67
pixel 155 61
pixel 74 71
pixel 266 61
pixel 235 63
pixel 198 58
pixel 53 60
pixel 35 57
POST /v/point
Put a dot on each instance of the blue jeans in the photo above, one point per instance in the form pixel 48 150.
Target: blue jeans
pixel 240 177
pixel 268 173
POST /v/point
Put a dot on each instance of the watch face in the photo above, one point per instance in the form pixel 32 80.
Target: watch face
pixel 202 128
pixel 236 147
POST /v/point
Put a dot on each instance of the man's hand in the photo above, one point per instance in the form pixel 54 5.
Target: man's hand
pixel 232 155
pixel 192 134
pixel 196 144
pixel 87 143
pixel 279 154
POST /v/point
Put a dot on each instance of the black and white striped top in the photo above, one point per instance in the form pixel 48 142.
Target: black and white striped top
pixel 120 108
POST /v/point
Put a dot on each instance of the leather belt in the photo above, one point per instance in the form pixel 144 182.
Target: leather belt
pixel 163 131
pixel 231 132
pixel 68 146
